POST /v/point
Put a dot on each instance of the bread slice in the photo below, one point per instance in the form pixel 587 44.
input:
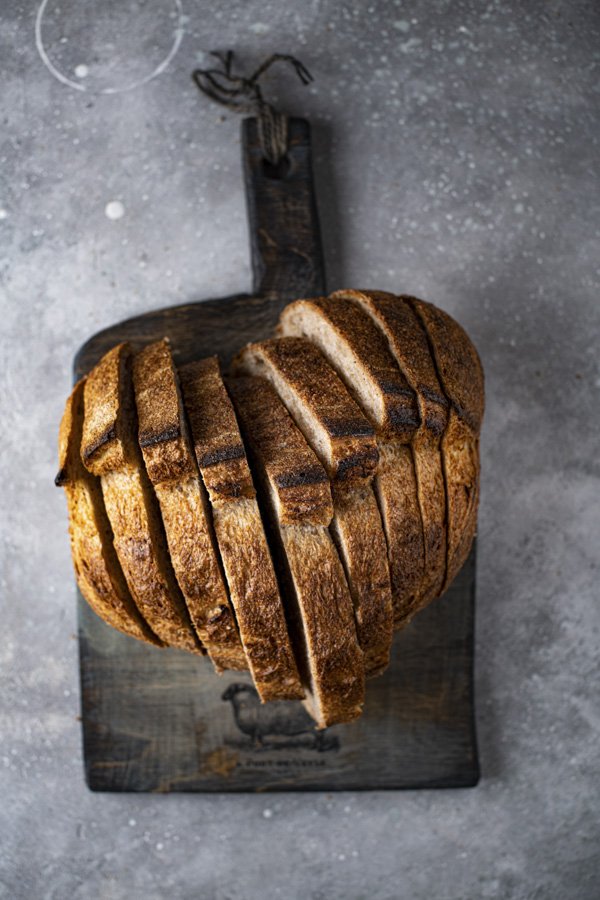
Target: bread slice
pixel 344 441
pixel 409 346
pixel 109 450
pixel 296 501
pixel 173 471
pixel 239 530
pixel 340 434
pixel 353 345
pixel 97 568
pixel 461 376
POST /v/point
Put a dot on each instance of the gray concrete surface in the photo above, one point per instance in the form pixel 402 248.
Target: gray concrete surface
pixel 457 151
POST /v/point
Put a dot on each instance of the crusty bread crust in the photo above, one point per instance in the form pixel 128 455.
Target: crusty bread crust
pixel 336 686
pixel 105 445
pixel 97 568
pixel 375 380
pixel 408 343
pixel 218 443
pixel 130 503
pixel 354 346
pixel 161 422
pixel 396 490
pixel 343 439
pixel 299 481
pixel 239 530
pixel 358 534
pixel 171 466
pixel 461 376
pixel 319 605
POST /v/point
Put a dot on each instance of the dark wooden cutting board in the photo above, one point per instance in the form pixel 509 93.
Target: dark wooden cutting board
pixel 161 720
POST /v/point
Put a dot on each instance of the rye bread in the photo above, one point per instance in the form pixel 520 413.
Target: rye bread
pixel 109 450
pixel 461 377
pixel 319 605
pixel 354 346
pixel 344 441
pixel 99 575
pixel 172 469
pixel 247 563
pixel 409 345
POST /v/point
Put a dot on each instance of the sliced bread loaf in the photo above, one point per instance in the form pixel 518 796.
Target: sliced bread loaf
pixel 296 501
pixel 344 441
pixel 239 530
pixel 409 346
pixel 173 471
pixel 461 376
pixel 354 346
pixel 109 450
pixel 97 568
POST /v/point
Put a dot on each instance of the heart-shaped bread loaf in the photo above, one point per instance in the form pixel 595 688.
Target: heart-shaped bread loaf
pixel 289 517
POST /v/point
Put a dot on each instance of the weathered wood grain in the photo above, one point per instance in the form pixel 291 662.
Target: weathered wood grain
pixel 161 720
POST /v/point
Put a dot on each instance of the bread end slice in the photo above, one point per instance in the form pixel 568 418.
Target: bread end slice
pixel 97 568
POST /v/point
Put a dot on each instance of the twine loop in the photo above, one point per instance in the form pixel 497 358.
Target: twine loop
pixel 244 95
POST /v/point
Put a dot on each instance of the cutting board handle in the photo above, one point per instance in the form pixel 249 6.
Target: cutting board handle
pixel 285 237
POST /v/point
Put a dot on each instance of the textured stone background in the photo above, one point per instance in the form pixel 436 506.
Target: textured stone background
pixel 456 149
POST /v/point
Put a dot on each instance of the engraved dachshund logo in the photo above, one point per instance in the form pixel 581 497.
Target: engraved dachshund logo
pixel 278 719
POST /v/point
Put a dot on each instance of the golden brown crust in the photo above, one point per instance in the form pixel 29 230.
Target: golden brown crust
pixel 130 503
pixel 351 342
pixel 409 345
pixel 161 422
pixel 318 400
pixel 457 362
pixel 461 376
pixel 194 557
pixel 97 568
pixel 341 436
pixel 239 530
pixel 396 490
pixel 335 661
pixel 171 466
pixel 255 595
pixel 217 441
pixel 358 534
pixel 297 478
pixel 145 562
pixel 320 610
pixel 104 444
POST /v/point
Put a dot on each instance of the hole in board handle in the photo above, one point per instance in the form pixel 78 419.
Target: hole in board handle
pixel 279 171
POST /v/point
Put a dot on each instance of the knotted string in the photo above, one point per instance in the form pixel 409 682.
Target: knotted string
pixel 244 95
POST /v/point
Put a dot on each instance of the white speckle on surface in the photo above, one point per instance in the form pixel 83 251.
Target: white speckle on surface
pixel 260 28
pixel 160 846
pixel 132 823
pixel 114 210
pixel 81 71
pixel 267 813
pixel 402 25
pixel 3 214
pixel 519 208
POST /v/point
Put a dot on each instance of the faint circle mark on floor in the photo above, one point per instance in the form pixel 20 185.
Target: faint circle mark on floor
pixel 119 89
